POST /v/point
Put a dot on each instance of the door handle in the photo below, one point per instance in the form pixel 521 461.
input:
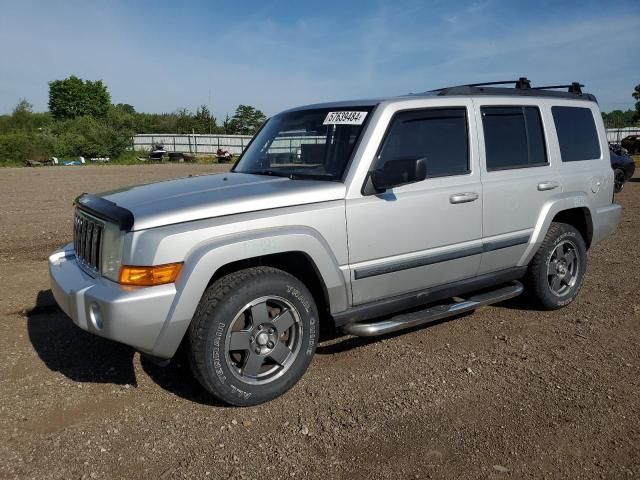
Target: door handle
pixel 463 197
pixel 547 185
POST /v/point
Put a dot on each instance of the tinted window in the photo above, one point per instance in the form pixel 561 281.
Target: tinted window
pixel 513 137
pixel 577 133
pixel 437 134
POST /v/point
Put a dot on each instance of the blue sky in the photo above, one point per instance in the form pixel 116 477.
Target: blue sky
pixel 161 56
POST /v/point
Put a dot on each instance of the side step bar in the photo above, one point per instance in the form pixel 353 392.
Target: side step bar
pixel 431 314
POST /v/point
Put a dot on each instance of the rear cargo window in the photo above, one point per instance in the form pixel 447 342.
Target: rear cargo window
pixel 513 137
pixel 577 133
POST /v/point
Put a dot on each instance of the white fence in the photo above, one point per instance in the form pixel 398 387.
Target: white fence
pixel 615 135
pixel 209 144
pixel 205 144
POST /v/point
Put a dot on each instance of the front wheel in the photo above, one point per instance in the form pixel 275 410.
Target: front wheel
pixel 557 270
pixel 253 335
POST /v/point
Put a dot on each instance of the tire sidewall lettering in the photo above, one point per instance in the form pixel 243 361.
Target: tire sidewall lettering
pixel 218 350
pixel 570 296
pixel 218 366
pixel 312 319
pixel 301 298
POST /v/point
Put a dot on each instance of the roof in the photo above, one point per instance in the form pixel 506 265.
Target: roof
pixel 522 88
pixel 342 104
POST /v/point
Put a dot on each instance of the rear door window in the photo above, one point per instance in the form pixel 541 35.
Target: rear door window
pixel 513 137
pixel 577 133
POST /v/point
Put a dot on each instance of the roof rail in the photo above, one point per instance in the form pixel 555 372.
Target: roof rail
pixel 521 87
pixel 521 83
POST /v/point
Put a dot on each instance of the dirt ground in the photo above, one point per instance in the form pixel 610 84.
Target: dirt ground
pixel 505 392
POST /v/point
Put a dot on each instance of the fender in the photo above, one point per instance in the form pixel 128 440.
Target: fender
pixel 205 259
pixel 550 209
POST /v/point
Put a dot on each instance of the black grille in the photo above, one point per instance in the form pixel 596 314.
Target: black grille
pixel 87 240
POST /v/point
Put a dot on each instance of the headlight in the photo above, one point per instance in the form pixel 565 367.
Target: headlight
pixel 111 251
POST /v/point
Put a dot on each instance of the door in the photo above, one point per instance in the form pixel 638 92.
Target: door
pixel 426 233
pixel 518 177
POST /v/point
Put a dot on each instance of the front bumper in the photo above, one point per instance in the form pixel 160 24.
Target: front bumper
pixel 134 316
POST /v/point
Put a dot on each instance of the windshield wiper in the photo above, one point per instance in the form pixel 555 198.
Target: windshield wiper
pixel 289 174
pixel 267 171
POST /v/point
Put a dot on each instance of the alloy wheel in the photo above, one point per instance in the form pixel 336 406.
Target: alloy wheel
pixel 263 340
pixel 562 268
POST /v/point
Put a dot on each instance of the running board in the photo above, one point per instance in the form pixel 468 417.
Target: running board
pixel 432 314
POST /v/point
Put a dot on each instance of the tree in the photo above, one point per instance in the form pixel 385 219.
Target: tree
pixel 204 122
pixel 184 122
pixel 246 120
pixel 73 97
pixel 22 107
pixel 618 118
pixel 636 95
pixel 22 114
pixel 126 108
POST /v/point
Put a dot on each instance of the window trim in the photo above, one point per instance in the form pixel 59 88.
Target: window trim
pixel 387 131
pixel 526 131
pixel 356 147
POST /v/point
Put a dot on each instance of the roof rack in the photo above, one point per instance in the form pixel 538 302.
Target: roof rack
pixel 575 87
pixel 521 87
pixel 522 82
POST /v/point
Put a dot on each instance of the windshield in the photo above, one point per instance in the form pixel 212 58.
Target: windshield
pixel 315 143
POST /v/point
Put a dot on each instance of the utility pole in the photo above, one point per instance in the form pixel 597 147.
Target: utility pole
pixel 210 111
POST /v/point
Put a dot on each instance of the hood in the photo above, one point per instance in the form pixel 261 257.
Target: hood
pixel 216 195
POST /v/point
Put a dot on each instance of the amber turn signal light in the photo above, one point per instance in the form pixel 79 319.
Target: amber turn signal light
pixel 149 276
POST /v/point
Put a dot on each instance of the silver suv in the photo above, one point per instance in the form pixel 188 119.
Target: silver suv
pixel 365 216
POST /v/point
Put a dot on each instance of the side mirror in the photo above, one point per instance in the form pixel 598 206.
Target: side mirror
pixel 399 172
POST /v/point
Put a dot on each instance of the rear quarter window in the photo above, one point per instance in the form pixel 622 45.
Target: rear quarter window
pixel 577 133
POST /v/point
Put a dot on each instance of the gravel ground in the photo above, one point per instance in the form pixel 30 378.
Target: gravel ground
pixel 505 392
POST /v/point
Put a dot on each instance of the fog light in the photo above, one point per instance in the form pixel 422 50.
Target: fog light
pixel 96 316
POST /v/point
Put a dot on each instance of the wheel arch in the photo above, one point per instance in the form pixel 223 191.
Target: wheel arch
pixel 301 252
pixel 580 218
pixel 297 263
pixel 572 209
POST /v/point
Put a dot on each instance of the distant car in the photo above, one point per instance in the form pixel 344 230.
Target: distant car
pixel 623 167
pixel 631 144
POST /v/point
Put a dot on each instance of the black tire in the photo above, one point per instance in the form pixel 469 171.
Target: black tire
pixel 226 317
pixel 176 157
pixel 618 180
pixel 547 269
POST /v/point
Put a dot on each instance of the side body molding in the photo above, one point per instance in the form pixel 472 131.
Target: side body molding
pixel 205 259
pixel 550 209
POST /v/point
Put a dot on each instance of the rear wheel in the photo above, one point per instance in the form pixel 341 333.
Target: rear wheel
pixel 253 335
pixel 557 270
pixel 618 179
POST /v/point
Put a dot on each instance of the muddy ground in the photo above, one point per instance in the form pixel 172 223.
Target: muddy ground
pixel 505 392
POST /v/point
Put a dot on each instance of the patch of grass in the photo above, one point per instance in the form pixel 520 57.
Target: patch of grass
pixel 128 157
pixel 11 163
